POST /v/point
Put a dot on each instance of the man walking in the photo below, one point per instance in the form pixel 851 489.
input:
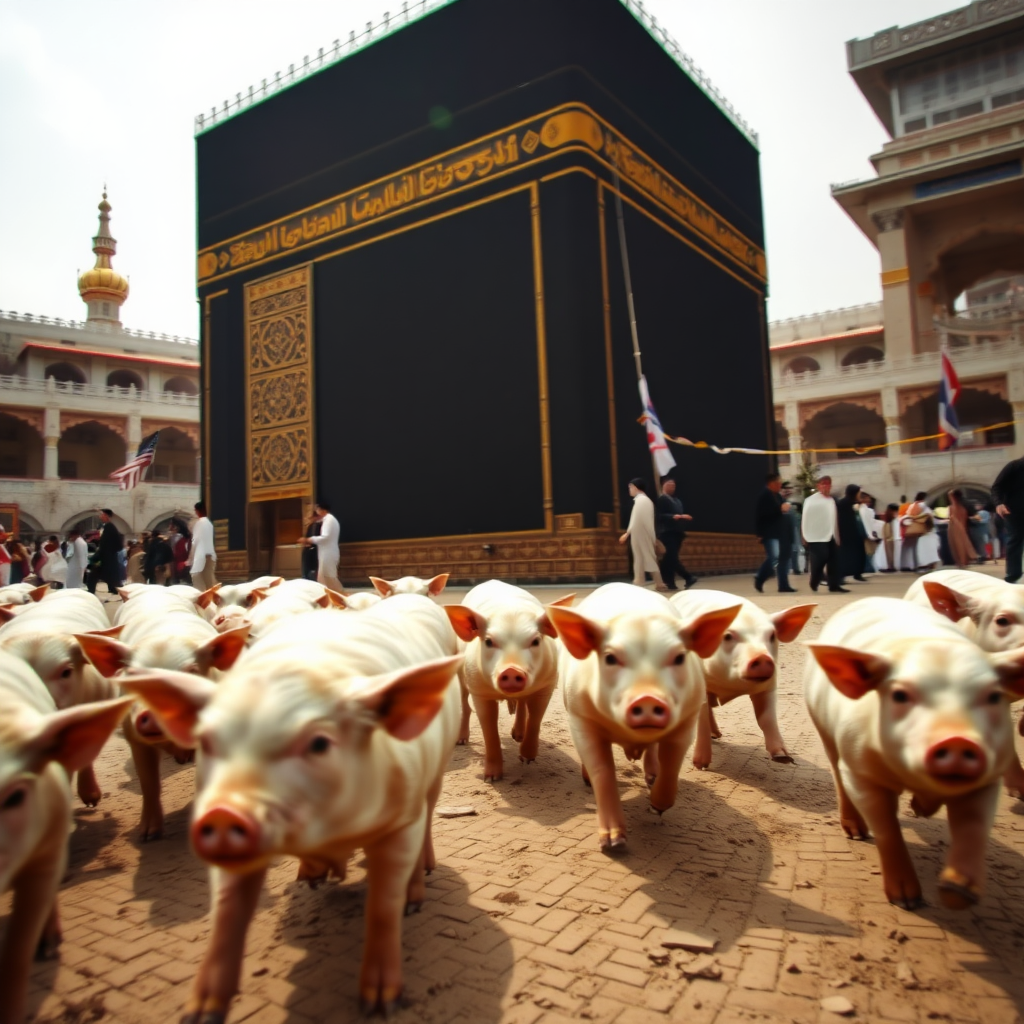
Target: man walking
pixel 108 550
pixel 672 532
pixel 820 526
pixel 770 523
pixel 203 557
pixel 327 546
pixel 1008 494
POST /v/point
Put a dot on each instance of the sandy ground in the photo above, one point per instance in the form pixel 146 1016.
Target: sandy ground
pixel 526 921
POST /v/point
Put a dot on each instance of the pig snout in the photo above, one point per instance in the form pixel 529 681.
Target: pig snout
pixel 512 679
pixel 226 837
pixel 146 725
pixel 647 712
pixel 955 760
pixel 760 668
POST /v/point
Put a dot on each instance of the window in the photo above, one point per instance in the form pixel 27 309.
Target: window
pixel 915 126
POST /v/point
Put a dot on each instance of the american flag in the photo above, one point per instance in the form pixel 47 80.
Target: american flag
pixel 129 475
pixel 949 392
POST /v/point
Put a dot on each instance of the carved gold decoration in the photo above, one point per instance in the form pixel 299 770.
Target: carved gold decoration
pixel 808 410
pixel 190 430
pixel 570 521
pixel 33 417
pixel 279 401
pixel 118 424
pixel 900 275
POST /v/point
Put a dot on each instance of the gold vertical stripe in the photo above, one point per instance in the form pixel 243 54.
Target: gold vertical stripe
pixel 613 436
pixel 206 395
pixel 542 358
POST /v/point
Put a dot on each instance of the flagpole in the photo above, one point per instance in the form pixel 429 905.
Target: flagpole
pixel 627 278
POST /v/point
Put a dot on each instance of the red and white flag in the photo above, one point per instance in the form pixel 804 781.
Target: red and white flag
pixel 131 473
pixel 949 392
pixel 663 460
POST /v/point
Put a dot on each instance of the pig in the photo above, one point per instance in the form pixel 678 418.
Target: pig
pixel 44 637
pixel 510 655
pixel 411 585
pixel 330 735
pixel 246 594
pixel 22 593
pixel 360 601
pixel 40 746
pixel 744 664
pixel 631 676
pixel 160 631
pixel 903 700
pixel 284 602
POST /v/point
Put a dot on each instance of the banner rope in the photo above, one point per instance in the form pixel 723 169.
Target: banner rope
pixel 686 442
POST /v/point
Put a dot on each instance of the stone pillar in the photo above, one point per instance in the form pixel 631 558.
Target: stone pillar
pixel 50 463
pixel 134 433
pixel 897 300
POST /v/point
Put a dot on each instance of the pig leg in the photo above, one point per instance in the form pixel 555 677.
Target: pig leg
pixel 849 817
pixel 970 822
pixel 88 787
pixel 390 865
pixel 487 712
pixel 671 754
pixel 768 722
pixel 518 708
pixel 651 763
pixel 880 808
pixel 464 723
pixel 599 766
pixel 533 711
pixel 147 766
pixel 1014 779
pixel 705 730
pixel 433 794
pixel 216 984
pixel 715 731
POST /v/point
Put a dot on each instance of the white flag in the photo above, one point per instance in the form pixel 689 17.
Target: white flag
pixel 663 460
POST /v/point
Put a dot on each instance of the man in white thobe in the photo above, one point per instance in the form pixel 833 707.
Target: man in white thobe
pixel 327 546
pixel 78 560
pixel 203 556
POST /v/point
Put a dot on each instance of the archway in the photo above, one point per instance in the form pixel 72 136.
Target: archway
pixel 89 522
pixel 863 355
pixel 65 373
pixel 985 254
pixel 802 364
pixel 975 409
pixel 175 460
pixel 125 379
pixel 845 425
pixel 181 386
pixel 89 451
pixel 21 448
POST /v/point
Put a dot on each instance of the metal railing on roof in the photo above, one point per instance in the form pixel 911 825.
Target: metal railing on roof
pixel 325 57
pixel 72 389
pixel 98 328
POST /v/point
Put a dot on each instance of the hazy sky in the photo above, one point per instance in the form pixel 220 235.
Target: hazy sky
pixel 94 93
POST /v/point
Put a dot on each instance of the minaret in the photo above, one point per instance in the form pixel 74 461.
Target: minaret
pixel 103 289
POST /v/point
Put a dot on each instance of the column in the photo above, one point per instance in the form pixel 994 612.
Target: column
pixel 134 433
pixel 51 438
pixel 897 301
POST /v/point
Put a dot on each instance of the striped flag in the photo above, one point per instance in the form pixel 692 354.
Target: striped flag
pixel 130 474
pixel 663 460
pixel 949 392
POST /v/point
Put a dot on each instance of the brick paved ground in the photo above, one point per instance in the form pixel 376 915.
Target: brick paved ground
pixel 527 923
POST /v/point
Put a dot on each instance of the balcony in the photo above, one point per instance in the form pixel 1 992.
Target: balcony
pixel 15 390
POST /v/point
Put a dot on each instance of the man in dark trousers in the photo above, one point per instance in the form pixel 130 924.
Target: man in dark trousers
pixel 110 544
pixel 770 523
pixel 671 525
pixel 1008 494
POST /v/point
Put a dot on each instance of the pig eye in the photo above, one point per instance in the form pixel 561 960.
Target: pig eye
pixel 15 799
pixel 900 696
pixel 535 642
pixel 995 697
pixel 488 642
pixel 679 659
pixel 728 636
pixel 771 639
pixel 66 673
pixel 610 659
pixel 319 745
pixel 1003 620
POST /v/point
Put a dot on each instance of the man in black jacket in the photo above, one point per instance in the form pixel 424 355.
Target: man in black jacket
pixel 108 550
pixel 1008 494
pixel 670 522
pixel 770 522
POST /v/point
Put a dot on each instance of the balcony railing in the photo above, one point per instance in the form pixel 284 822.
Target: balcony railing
pixel 97 328
pixel 57 389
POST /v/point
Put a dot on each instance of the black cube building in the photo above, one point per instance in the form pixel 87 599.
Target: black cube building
pixel 414 302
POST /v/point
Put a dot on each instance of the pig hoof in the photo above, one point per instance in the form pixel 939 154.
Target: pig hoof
pixel 782 757
pixel 413 908
pixel 956 890
pixel 649 779
pixel 612 842
pixel 462 741
pixel 152 835
pixel 212 1017
pixel 526 760
pixel 48 948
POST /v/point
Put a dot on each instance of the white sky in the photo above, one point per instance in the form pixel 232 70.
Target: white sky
pixel 94 93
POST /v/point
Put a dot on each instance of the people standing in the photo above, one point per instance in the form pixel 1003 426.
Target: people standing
pixel 872 531
pixel 641 533
pixel 959 525
pixel 180 541
pixel 108 565
pixel 890 533
pixel 202 558
pixel 77 559
pixel 770 526
pixel 920 543
pixel 820 527
pixel 310 558
pixel 977 527
pixel 1008 494
pixel 327 546
pixel 55 568
pixel 851 547
pixel 671 531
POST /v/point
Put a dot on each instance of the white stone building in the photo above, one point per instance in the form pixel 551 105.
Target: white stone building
pixel 76 399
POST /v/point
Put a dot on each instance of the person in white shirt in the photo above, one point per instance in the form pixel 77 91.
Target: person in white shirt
pixel 203 557
pixel 327 546
pixel 78 560
pixel 819 525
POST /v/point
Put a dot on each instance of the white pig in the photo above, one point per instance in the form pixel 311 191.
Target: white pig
pixel 411 585
pixel 745 664
pixel 631 676
pixel 22 593
pixel 39 747
pixel 330 735
pixel 903 700
pixel 510 655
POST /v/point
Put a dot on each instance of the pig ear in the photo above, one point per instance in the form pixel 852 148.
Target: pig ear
pixel 564 602
pixel 468 624
pixel 437 584
pixel 788 623
pixel 544 623
pixel 407 701
pixel 75 736
pixel 38 593
pixel 222 650
pixel 112 631
pixel 256 595
pixel 324 601
pixel 950 603
pixel 704 634
pixel 334 599
pixel 123 593
pixel 1010 667
pixel 7 612
pixel 383 587
pixel 852 673
pixel 580 635
pixel 176 698
pixel 208 596
pixel 278 580
pixel 107 655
